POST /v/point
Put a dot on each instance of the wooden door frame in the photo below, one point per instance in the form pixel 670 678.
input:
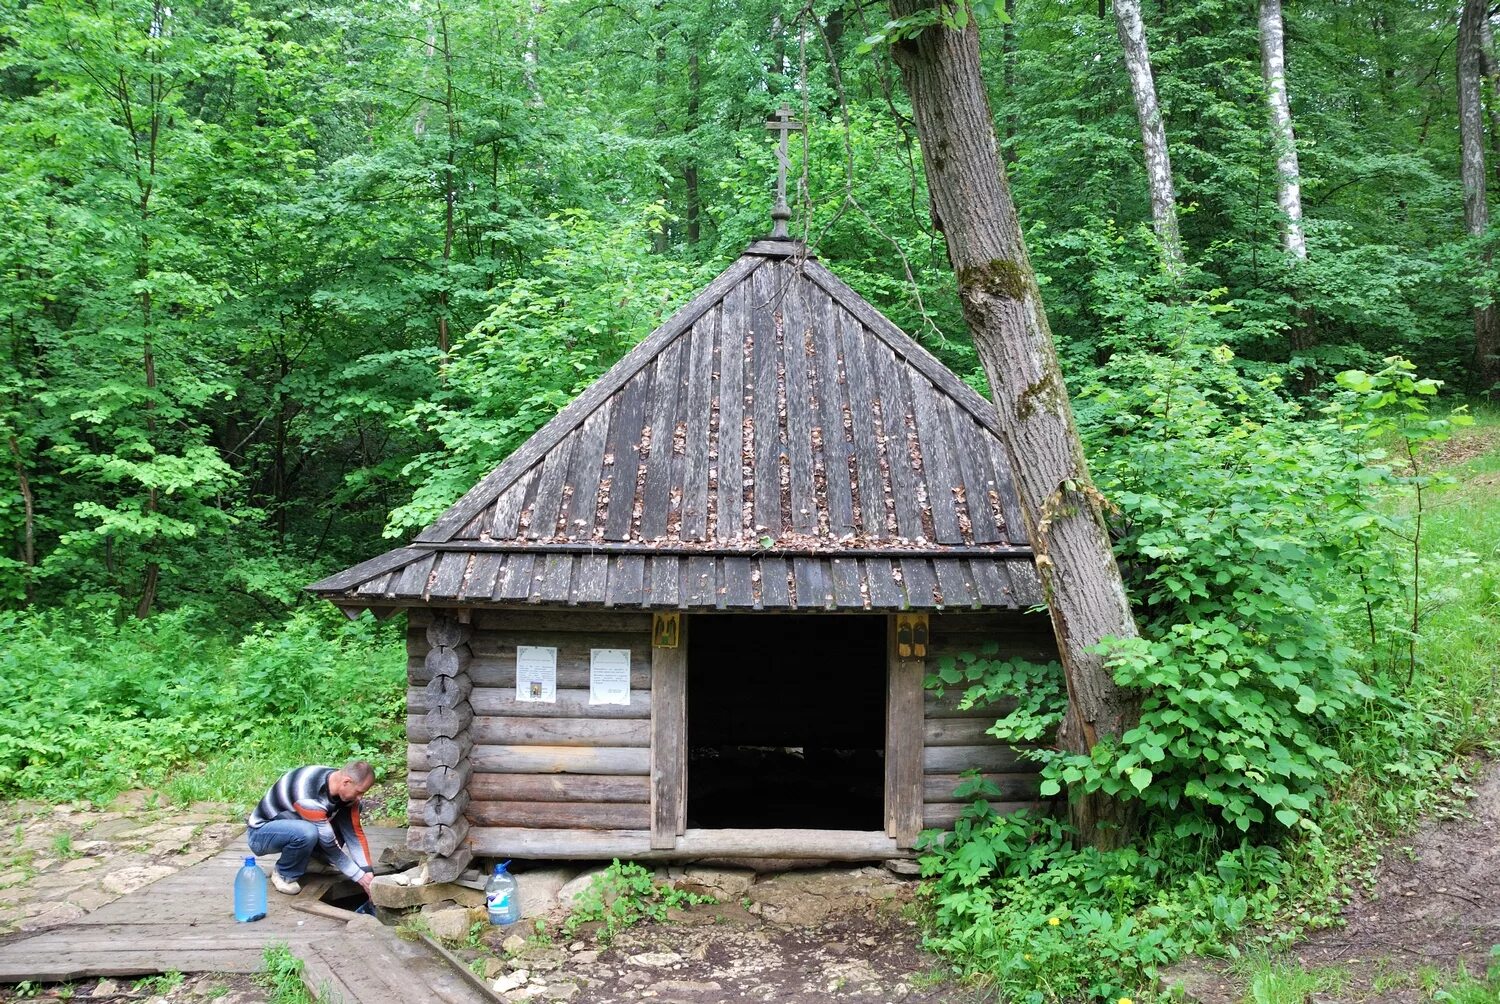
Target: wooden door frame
pixel 903 741
pixel 669 752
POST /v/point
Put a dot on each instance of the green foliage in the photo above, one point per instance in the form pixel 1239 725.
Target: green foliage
pixel 281 976
pixel 88 707
pixel 624 895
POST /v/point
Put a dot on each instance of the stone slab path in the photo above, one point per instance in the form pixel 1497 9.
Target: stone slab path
pixel 181 921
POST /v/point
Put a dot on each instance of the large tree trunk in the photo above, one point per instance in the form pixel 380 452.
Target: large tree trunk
pixel 1153 131
pixel 1489 65
pixel 1288 177
pixel 1472 171
pixel 1003 310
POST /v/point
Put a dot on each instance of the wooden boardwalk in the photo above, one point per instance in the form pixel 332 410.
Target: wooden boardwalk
pixel 184 922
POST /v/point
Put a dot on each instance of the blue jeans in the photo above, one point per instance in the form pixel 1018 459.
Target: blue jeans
pixel 296 839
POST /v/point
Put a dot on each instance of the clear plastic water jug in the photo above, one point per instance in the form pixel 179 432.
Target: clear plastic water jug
pixel 249 893
pixel 501 896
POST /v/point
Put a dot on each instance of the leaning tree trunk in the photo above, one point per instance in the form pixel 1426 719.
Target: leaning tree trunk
pixel 1472 171
pixel 1289 181
pixel 1153 131
pixel 1002 307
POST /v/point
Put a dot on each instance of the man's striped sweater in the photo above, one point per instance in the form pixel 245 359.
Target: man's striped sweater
pixel 303 794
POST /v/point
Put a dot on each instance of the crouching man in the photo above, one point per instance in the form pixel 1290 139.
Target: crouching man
pixel 314 810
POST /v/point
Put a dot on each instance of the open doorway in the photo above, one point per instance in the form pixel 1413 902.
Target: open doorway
pixel 786 721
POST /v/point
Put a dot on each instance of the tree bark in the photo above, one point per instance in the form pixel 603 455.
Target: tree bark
pixel 1288 177
pixel 1002 308
pixel 1472 172
pixel 1489 65
pixel 1153 131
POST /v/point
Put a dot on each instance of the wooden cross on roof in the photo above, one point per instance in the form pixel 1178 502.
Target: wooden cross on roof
pixel 784 124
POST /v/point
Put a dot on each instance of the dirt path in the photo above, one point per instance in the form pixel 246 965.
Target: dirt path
pixel 1435 904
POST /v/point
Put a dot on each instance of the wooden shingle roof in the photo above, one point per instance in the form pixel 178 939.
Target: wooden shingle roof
pixel 776 444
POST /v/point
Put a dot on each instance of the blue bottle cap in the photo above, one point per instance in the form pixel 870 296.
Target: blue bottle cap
pixel 500 867
pixel 250 859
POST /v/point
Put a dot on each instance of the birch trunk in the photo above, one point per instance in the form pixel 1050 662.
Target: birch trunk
pixel 1472 172
pixel 1002 307
pixel 1153 131
pixel 1289 179
pixel 1490 67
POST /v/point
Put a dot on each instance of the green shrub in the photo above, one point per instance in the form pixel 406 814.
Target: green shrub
pixel 624 895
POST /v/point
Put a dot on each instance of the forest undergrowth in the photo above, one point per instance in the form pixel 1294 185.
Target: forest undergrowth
pixel 1316 681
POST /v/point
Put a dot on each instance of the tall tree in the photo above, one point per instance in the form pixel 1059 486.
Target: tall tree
pixel 1002 308
pixel 1153 130
pixel 1288 178
pixel 1472 170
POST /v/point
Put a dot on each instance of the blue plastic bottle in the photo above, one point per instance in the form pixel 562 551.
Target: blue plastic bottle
pixel 249 893
pixel 501 897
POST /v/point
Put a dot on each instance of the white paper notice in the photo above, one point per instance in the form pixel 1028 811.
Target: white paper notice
pixel 536 673
pixel 609 676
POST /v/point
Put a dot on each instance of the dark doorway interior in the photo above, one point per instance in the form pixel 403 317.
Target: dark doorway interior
pixel 786 721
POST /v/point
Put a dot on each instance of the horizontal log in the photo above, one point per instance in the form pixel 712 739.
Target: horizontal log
pixel 569 704
pixel 547 759
pixel 443 751
pixel 500 731
pixel 445 781
pixel 572 669
pixel 438 810
pixel 446 631
pixel 448 722
pixel 822 845
pixel 440 840
pixel 942 815
pixel 521 842
pixel 946 706
pixel 448 691
pixel 550 628
pixel 448 867
pixel 956 759
pixel 557 815
pixel 545 787
pixel 1019 784
pixel 561 620
pixel 445 661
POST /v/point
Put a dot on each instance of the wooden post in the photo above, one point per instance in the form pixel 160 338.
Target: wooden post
pixel 668 730
pixel 447 721
pixel 903 733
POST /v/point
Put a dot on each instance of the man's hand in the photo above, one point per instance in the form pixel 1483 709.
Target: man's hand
pixel 365 881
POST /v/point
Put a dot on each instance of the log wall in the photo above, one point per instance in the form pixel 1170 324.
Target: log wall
pixel 953 740
pixel 564 766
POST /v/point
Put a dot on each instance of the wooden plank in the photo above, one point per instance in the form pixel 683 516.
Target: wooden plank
pixel 623 459
pixel 956 759
pixel 569 621
pixel 573 703
pixel 666 582
pixel 874 488
pixel 694 505
pixel 825 845
pixel 847 594
pixel 764 290
pixel 941 816
pixel 800 399
pixel 946 706
pixel 918 581
pixel 587 472
pixel 814 587
pixel 546 787
pixel 1010 502
pixel 515 580
pixel 448 573
pixel 958 731
pixel 892 393
pixel 480 582
pixel 702 581
pixel 1014 786
pixel 879 579
pixel 521 842
pixel 835 452
pixel 954 582
pixel 729 401
pixel 382 564
pixel 572 668
pixel 546 438
pixel 775 593
pixel 63 966
pixel 562 815
pixel 658 489
pixel 589 574
pixel 555 731
pixel 413 579
pixel 669 752
pixel 940 471
pixel 972 454
pixel 556 580
pixel 903 743
pixel 547 507
pixel 626 580
pixel 505 522
pixel 512 759
pixel 739 585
